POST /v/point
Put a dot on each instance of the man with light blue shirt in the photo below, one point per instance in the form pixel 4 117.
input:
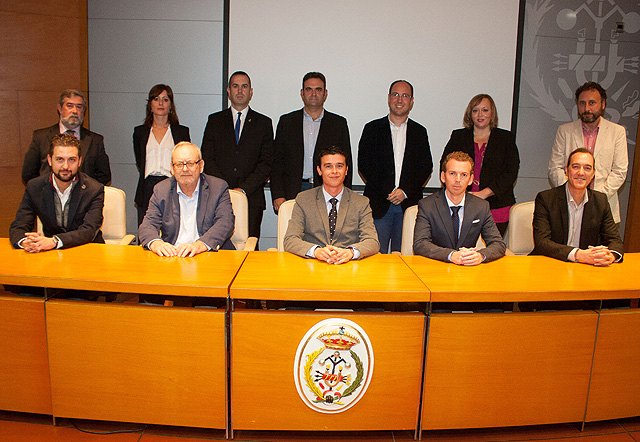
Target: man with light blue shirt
pixel 190 213
pixel 450 221
pixel 331 223
pixel 300 136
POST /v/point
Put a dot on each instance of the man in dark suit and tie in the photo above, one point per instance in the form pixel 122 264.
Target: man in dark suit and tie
pixel 450 221
pixel 394 160
pixel 68 202
pixel 237 147
pixel 572 222
pixel 300 136
pixel 331 222
pixel 95 162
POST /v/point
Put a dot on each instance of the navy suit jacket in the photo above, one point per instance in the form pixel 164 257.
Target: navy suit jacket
pixel 140 139
pixel 246 165
pixel 214 214
pixel 95 161
pixel 376 164
pixel 551 224
pixel 499 167
pixel 85 212
pixel 434 237
pixel 286 176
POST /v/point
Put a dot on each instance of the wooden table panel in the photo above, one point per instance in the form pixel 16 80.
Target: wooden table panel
pixel 615 386
pixel 156 365
pixel 118 268
pixel 527 278
pixel 284 276
pixel 263 391
pixel 493 370
pixel 24 365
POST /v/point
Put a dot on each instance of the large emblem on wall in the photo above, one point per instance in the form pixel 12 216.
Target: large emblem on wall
pixel 598 48
pixel 333 365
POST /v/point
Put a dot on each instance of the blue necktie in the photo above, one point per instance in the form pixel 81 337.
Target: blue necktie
pixel 238 127
pixel 456 221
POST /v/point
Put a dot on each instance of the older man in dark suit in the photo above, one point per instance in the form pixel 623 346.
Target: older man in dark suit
pixel 300 136
pixel 572 222
pixel 331 223
pixel 69 203
pixel 450 221
pixel 237 147
pixel 394 160
pixel 95 161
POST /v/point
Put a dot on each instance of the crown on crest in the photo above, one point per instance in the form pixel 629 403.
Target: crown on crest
pixel 338 339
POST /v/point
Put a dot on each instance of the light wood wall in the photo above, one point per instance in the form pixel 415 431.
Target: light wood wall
pixel 632 225
pixel 43 51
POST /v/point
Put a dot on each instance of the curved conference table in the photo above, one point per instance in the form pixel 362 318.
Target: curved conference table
pixel 233 368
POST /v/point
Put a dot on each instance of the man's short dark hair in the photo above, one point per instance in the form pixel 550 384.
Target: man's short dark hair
pixel 401 81
pixel 318 75
pixel 581 150
pixel 331 150
pixel 458 156
pixel 591 86
pixel 239 73
pixel 64 140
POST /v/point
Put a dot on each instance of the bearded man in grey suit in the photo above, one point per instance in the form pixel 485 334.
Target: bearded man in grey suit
pixel 332 223
pixel 450 221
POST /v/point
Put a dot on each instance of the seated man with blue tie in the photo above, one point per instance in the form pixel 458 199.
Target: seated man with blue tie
pixel 450 221
pixel 331 222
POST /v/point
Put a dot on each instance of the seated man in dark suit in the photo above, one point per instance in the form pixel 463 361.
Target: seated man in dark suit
pixel 190 213
pixel 450 221
pixel 68 202
pixel 69 205
pixel 572 222
pixel 332 223
pixel 95 162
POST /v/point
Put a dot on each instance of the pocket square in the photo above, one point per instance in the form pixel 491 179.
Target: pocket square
pixel 475 221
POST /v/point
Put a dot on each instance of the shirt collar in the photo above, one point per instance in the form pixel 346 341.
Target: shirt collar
pixel 572 201
pixel 195 192
pixel 327 196
pixel 64 128
pixel 450 204
pixel 398 126
pixel 308 117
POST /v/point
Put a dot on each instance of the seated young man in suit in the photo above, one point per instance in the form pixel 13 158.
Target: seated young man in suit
pixel 331 222
pixel 450 221
pixel 572 222
pixel 68 203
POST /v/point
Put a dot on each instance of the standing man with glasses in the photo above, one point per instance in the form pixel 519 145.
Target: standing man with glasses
pixel 237 147
pixel 450 221
pixel 300 135
pixel 189 213
pixel 71 109
pixel 394 161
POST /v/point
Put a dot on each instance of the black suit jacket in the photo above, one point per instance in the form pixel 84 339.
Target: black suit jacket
pixel 288 164
pixel 551 224
pixel 85 212
pixel 140 139
pixel 433 234
pixel 246 165
pixel 499 167
pixel 376 164
pixel 95 161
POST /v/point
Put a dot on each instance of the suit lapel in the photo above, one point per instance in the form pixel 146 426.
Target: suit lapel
pixel 203 197
pixel 74 201
pixel 564 212
pixel 342 211
pixel 467 218
pixel 321 205
pixel 445 216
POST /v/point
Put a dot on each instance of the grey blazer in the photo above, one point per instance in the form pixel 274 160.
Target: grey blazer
pixel 309 224
pixel 433 235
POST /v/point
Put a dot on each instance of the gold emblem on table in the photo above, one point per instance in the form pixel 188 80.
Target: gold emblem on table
pixel 333 365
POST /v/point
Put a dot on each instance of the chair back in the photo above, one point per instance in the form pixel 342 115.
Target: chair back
pixel 114 213
pixel 240 205
pixel 284 215
pixel 519 235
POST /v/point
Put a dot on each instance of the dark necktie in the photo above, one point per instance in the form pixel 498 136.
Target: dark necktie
pixel 333 216
pixel 456 221
pixel 70 132
pixel 238 127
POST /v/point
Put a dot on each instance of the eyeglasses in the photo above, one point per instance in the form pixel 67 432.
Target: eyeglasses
pixel 189 164
pixel 396 95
